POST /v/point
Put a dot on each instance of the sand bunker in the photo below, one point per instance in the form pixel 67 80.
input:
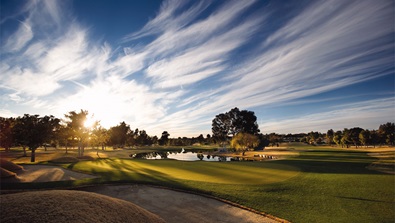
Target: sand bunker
pixel 45 173
pixel 174 206
pixel 70 206
pixel 170 205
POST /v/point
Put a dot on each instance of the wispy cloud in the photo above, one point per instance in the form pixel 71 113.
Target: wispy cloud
pixel 195 52
pixel 22 36
pixel 169 19
pixel 201 58
pixel 323 48
pixel 368 114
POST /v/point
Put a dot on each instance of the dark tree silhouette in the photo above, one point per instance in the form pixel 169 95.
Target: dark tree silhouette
pixel 6 132
pixel 387 133
pixel 119 134
pixel 364 137
pixel 232 122
pixel 36 131
pixel 78 131
pixel 329 136
pixel 164 138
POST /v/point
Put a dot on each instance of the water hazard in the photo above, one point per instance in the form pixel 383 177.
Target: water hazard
pixel 183 155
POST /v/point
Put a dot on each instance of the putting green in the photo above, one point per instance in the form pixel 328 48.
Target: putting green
pixel 212 172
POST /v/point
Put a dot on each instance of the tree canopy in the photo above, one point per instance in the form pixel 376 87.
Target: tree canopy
pixel 244 141
pixel 233 122
pixel 33 131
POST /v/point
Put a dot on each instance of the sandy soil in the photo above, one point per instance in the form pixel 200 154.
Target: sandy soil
pixel 174 206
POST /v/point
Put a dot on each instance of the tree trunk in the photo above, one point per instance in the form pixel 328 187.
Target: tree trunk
pixel 33 157
pixel 79 148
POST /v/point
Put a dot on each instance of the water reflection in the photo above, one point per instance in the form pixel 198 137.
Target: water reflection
pixel 183 155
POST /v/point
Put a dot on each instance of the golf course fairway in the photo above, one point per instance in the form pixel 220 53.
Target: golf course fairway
pixel 320 185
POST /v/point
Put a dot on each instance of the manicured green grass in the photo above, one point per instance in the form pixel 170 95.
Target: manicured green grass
pixel 321 184
pixel 209 172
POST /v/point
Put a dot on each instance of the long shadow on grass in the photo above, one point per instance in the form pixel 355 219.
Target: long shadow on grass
pixel 120 171
pixel 364 199
pixel 323 161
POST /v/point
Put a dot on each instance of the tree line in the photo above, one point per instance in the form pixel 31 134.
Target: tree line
pixel 33 131
pixel 237 128
pixel 346 138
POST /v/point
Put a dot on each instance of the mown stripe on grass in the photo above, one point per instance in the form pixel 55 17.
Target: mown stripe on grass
pixel 213 172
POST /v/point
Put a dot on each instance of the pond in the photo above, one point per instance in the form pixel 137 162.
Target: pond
pixel 183 155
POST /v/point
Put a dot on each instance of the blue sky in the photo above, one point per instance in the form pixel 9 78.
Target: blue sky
pixel 173 65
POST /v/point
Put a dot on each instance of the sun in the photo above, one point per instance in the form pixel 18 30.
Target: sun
pixel 89 122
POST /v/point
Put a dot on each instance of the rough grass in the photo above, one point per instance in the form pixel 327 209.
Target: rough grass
pixel 70 206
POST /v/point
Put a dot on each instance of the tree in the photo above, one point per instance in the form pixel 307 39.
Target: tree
pixel 387 133
pixel 143 138
pixel 101 136
pixel 78 131
pixel 337 138
pixel 263 141
pixel 345 140
pixel 244 141
pixel 52 130
pixel 208 139
pixel 164 138
pixel 36 131
pixel 313 137
pixel 200 139
pixel 6 132
pixel 329 136
pixel 19 135
pixel 232 122
pixel 274 139
pixel 221 127
pixel 243 121
pixel 364 137
pixel 374 138
pixel 65 136
pixel 354 136
pixel 119 134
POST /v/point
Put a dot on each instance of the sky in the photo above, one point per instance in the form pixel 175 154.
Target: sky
pixel 172 66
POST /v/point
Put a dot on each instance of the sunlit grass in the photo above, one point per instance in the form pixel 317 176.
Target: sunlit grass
pixel 213 172
pixel 314 184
